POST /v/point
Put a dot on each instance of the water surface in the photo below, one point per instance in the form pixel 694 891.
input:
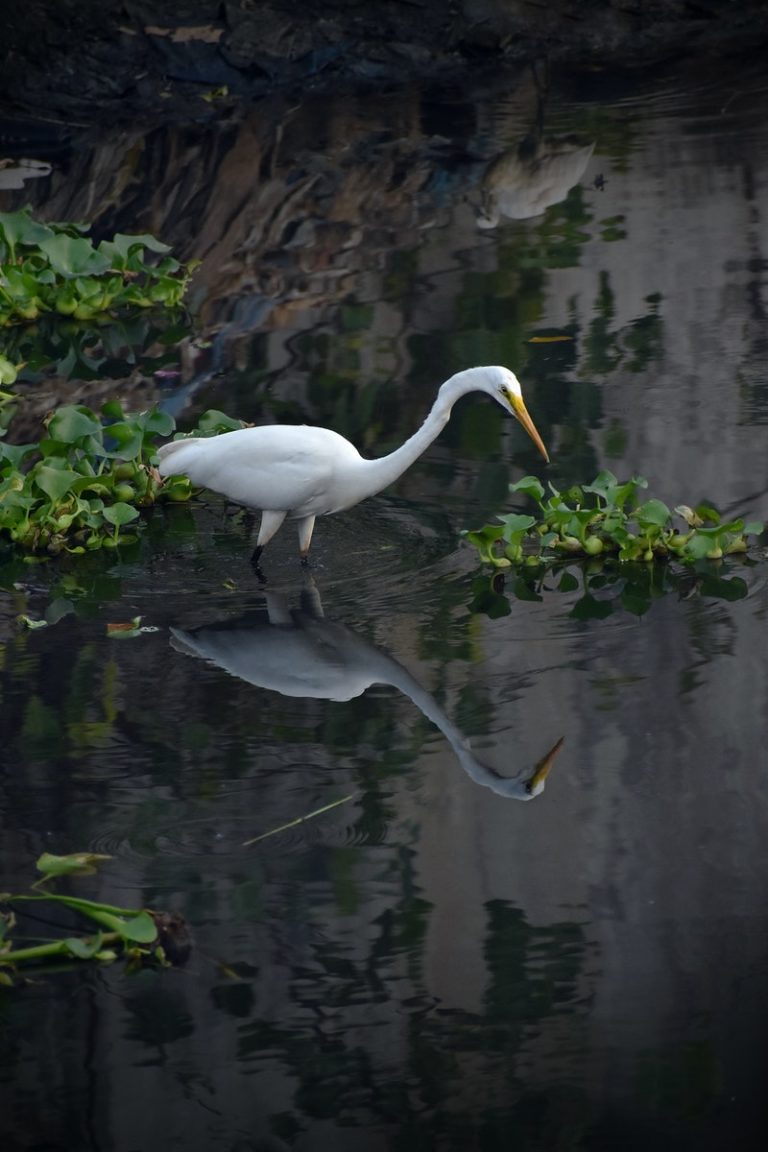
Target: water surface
pixel 441 961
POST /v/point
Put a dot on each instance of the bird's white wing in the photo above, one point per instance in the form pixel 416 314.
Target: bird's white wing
pixel 277 467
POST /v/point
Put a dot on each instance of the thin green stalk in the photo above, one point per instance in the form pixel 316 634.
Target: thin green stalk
pixel 50 951
pixel 88 907
pixel 299 820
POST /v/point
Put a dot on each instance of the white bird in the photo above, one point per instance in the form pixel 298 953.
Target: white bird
pixel 301 654
pixel 300 472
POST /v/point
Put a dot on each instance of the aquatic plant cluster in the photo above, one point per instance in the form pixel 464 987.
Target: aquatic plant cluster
pixel 56 268
pixel 606 518
pixel 81 487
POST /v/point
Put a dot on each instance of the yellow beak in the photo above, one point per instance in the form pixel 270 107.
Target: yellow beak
pixel 541 771
pixel 521 412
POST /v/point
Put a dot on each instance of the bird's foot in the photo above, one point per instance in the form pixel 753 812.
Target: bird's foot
pixel 255 557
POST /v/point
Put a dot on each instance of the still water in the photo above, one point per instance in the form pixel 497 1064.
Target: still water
pixel 443 959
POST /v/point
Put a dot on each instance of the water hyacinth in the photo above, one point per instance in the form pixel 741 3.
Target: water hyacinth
pixel 607 519
pixel 57 269
pixel 83 485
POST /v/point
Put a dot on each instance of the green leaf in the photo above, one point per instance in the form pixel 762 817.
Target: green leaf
pixel 515 525
pixel 707 513
pixel 73 256
pixel 82 862
pixel 653 512
pixel 84 947
pixel 72 423
pixel 157 423
pixel 120 514
pixel 15 453
pixel 55 482
pixel 212 422
pixel 530 486
pixel 20 228
pixel 602 484
pixel 751 528
pixel 128 437
pixel 140 929
pixel 123 245
pixel 698 546
pixel 113 410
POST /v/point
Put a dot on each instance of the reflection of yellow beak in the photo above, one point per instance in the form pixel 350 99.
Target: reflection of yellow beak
pixel 541 771
pixel 521 412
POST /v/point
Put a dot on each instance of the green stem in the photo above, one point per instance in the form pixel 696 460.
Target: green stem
pixel 299 820
pixel 88 907
pixel 50 951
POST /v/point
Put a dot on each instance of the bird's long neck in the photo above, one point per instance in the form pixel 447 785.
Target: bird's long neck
pixel 378 474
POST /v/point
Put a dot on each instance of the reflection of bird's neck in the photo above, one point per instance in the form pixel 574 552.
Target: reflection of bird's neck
pixel 378 474
pixel 398 677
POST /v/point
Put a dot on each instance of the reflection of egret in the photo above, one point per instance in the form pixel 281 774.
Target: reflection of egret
pixel 303 472
pixel 524 182
pixel 301 654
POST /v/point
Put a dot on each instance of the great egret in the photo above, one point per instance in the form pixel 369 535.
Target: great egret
pixel 302 472
pixel 299 653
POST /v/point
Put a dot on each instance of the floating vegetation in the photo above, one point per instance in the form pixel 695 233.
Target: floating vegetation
pixel 142 936
pixel 83 486
pixel 56 268
pixel 607 519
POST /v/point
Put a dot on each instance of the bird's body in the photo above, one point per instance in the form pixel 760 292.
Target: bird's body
pixel 301 472
pixel 310 464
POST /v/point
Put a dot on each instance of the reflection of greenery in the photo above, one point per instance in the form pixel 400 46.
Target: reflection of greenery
pixel 606 589
pixel 634 347
pixel 532 971
pixel 557 241
pixel 90 351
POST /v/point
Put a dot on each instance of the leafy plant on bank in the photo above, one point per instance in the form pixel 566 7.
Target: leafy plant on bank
pixel 607 519
pixel 141 935
pixel 56 268
pixel 82 486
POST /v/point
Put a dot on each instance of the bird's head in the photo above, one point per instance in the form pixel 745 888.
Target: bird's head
pixel 504 386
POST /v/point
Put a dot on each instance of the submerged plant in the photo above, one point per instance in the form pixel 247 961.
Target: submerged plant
pixel 607 519
pixel 56 268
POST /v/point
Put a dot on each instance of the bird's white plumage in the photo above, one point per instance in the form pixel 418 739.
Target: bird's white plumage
pixel 288 468
pixel 302 472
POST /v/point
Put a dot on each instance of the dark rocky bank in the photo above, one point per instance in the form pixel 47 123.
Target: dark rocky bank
pixel 103 60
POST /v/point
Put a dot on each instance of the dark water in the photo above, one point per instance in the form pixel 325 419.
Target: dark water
pixel 431 963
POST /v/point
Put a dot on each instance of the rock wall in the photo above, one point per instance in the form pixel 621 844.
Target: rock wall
pixel 99 59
